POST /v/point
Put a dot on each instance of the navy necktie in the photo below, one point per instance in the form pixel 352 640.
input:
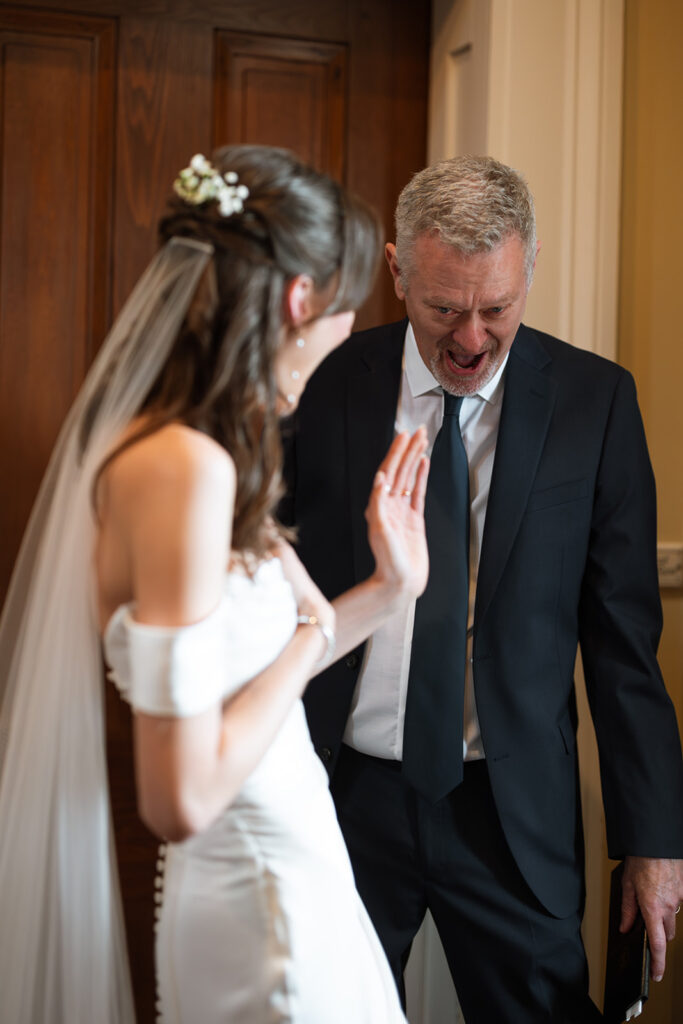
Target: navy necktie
pixel 433 728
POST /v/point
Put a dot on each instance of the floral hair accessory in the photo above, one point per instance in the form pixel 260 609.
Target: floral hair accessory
pixel 202 183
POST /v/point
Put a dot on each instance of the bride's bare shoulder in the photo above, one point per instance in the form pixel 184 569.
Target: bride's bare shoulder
pixel 173 460
pixel 165 506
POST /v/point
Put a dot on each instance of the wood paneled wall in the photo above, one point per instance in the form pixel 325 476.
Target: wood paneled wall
pixel 101 103
pixel 55 201
pixel 283 92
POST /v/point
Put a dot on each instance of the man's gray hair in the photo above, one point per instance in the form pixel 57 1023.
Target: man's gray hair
pixel 473 203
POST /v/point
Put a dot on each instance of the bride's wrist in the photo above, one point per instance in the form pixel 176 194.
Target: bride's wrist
pixel 391 592
pixel 326 632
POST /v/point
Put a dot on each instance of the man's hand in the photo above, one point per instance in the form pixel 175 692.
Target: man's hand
pixel 656 887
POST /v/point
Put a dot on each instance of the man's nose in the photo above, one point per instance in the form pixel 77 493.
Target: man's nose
pixel 470 333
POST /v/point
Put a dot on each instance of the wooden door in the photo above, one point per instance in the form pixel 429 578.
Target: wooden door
pixel 101 103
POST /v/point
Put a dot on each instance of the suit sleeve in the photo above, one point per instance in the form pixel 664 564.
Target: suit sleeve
pixel 620 622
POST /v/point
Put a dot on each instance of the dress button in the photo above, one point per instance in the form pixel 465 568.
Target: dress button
pixel 352 660
pixel 325 754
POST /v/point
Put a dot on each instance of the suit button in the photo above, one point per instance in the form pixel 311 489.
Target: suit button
pixel 352 660
pixel 325 754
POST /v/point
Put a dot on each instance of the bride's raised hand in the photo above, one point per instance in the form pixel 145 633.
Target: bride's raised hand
pixel 395 515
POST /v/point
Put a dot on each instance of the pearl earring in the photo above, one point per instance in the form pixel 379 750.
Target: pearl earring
pixel 300 342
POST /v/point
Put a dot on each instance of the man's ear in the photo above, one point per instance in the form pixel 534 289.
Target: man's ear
pixel 390 256
pixel 299 300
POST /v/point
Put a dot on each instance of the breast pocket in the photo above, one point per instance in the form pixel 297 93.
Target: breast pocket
pixel 560 494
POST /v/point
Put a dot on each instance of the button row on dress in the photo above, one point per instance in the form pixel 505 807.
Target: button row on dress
pixel 158 900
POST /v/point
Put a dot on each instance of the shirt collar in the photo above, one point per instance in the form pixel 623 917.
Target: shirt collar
pixel 421 380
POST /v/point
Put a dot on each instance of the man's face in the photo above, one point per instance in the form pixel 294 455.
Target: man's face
pixel 465 310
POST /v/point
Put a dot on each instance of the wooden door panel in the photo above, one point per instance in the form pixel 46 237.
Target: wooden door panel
pixel 54 226
pixel 282 92
pixel 163 119
pixel 327 19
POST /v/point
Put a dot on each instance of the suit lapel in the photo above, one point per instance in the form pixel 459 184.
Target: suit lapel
pixel 528 404
pixel 372 398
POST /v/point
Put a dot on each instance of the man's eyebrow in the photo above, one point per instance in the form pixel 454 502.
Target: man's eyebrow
pixel 438 300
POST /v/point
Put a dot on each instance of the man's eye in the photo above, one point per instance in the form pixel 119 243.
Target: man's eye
pixel 495 310
pixel 444 310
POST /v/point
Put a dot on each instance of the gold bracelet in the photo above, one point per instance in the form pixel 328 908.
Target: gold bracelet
pixel 313 620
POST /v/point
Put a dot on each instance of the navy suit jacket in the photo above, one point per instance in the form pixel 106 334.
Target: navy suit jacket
pixel 568 557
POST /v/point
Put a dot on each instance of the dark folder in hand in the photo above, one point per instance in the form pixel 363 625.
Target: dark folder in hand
pixel 627 978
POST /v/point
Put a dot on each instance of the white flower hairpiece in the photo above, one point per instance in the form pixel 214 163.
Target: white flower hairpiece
pixel 201 183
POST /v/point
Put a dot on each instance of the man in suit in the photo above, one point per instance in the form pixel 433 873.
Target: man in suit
pixel 450 739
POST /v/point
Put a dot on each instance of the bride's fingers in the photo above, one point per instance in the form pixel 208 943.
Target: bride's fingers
pixel 417 500
pixel 399 473
pixel 392 460
pixel 405 474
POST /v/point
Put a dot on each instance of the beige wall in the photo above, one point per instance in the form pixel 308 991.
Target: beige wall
pixel 650 331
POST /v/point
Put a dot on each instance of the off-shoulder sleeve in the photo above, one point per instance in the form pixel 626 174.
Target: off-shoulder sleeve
pixel 183 671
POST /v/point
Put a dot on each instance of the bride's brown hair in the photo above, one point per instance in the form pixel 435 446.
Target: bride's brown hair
pixel 219 377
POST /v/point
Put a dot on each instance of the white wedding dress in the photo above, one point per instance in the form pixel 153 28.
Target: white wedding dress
pixel 259 918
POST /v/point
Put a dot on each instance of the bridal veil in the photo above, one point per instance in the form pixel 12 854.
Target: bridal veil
pixel 62 944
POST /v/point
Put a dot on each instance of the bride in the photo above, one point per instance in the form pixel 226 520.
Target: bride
pixel 154 539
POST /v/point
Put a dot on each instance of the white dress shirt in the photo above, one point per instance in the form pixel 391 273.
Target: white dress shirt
pixel 375 725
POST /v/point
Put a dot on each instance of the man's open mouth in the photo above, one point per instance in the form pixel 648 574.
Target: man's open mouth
pixel 461 363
